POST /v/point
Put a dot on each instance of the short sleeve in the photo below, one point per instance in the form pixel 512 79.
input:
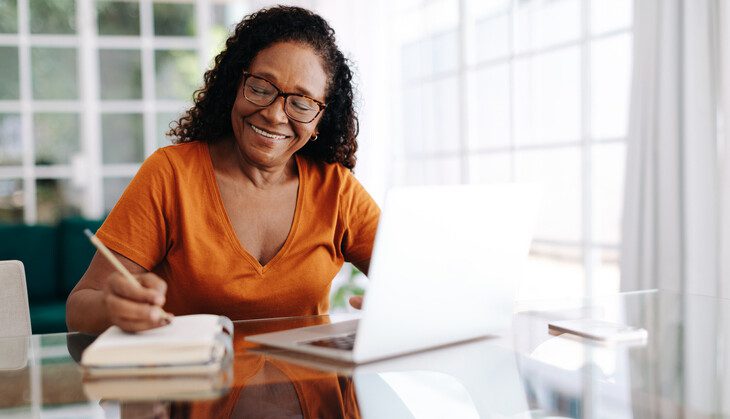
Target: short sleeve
pixel 137 227
pixel 360 215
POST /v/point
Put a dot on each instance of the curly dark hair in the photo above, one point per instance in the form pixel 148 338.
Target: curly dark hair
pixel 209 118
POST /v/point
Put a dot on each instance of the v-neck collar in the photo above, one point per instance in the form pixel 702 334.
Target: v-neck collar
pixel 225 220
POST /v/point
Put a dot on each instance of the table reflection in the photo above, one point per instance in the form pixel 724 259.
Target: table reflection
pixel 680 371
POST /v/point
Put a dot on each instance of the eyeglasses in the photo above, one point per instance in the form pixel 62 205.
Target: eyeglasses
pixel 262 92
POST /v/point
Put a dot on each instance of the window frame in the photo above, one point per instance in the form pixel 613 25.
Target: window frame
pixel 87 171
pixel 590 249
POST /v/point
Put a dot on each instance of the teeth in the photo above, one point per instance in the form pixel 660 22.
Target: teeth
pixel 267 134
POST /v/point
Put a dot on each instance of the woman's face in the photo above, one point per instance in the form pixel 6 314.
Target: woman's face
pixel 266 136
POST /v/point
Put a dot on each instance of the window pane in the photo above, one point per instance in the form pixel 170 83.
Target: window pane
pixel 444 51
pixel 11 200
pixel 610 85
pixel 56 199
pixel 490 168
pixel 219 27
pixel 8 16
pixel 432 171
pixel 429 139
pixel 489 107
pixel 120 74
pixel 176 74
pixel 558 171
pixel 540 24
pixel 607 15
pixel 122 138
pixel 53 16
pixel 10 86
pixel 54 73
pixel 433 110
pixel 444 123
pixel 11 146
pixel 164 119
pixel 414 62
pixel 442 171
pixel 482 8
pixel 552 272
pixel 607 188
pixel 413 120
pixel 606 271
pixel 118 17
pixel 113 188
pixel 547 97
pixel 174 19
pixel 430 18
pixel 492 37
pixel 56 137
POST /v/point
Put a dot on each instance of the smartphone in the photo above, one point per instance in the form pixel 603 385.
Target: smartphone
pixel 599 330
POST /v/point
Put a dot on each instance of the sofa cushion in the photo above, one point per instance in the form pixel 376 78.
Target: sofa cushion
pixel 35 246
pixel 75 251
pixel 48 317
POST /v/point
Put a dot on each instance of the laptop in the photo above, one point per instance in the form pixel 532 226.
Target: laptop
pixel 444 269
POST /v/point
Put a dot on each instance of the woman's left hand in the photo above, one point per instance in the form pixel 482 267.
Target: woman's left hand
pixel 356 301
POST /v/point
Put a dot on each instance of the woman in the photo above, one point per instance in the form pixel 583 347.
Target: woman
pixel 254 209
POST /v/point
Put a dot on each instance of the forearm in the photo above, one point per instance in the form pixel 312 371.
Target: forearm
pixel 86 311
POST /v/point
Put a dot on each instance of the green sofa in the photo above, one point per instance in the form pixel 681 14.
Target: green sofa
pixel 55 258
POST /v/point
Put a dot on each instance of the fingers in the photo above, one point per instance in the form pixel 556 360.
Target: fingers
pixel 133 316
pixel 154 282
pixel 136 306
pixel 138 326
pixel 151 291
pixel 356 301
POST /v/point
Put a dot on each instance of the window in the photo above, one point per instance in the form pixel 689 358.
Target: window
pixel 81 106
pixel 524 90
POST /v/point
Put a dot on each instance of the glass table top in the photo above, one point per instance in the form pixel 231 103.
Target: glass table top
pixel 680 370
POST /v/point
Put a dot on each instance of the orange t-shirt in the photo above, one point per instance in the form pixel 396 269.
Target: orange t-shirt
pixel 171 221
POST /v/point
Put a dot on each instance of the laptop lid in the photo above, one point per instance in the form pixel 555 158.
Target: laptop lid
pixel 445 266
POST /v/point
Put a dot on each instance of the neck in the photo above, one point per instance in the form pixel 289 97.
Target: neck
pixel 258 176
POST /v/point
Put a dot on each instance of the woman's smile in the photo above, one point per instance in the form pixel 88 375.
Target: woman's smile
pixel 267 134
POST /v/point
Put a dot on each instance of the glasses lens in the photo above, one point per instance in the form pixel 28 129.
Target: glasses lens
pixel 259 91
pixel 301 108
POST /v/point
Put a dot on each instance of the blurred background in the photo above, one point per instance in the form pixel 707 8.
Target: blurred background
pixel 450 91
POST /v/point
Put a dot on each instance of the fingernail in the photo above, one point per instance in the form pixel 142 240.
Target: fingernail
pixel 155 314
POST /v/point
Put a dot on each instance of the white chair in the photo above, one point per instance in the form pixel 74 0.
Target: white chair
pixel 14 311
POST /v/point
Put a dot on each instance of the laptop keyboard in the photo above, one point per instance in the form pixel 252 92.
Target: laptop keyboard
pixel 346 342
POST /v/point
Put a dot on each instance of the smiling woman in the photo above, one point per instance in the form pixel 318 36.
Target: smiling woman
pixel 254 209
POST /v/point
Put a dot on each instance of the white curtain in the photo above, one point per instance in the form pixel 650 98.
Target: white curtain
pixel 724 141
pixel 675 222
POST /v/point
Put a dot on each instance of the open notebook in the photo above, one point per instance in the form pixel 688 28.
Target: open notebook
pixel 193 344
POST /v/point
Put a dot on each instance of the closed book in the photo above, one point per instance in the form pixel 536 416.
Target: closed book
pixel 192 344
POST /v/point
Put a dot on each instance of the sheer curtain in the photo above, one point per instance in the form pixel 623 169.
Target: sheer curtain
pixel 675 230
pixel 724 127
pixel 676 222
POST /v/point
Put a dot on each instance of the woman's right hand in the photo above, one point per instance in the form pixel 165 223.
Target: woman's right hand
pixel 136 308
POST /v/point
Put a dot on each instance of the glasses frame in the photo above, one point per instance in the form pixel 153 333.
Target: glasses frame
pixel 279 92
